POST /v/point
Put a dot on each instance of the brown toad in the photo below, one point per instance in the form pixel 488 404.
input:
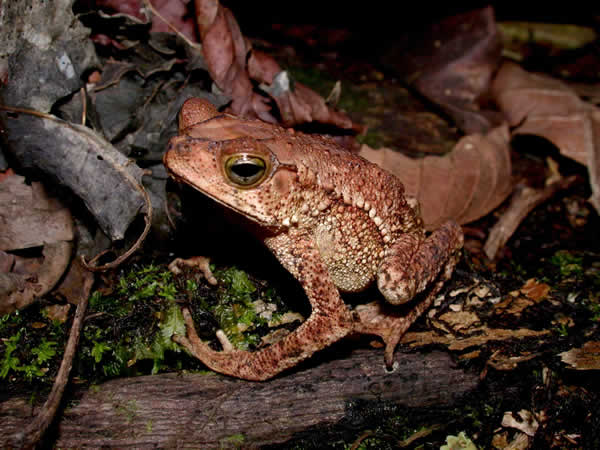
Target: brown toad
pixel 335 221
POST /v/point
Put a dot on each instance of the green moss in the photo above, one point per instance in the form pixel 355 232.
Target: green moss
pixel 129 329
pixel 24 356
pixel 134 325
pixel 235 440
pixel 128 410
pixel 235 310
pixel 568 263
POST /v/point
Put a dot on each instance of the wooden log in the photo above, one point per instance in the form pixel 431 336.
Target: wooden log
pixel 210 410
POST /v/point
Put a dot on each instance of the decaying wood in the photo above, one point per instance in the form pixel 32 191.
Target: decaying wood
pixel 106 180
pixel 207 410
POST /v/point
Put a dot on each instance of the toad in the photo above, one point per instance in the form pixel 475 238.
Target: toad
pixel 335 221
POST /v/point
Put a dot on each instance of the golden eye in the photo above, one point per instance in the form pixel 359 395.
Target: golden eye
pixel 245 170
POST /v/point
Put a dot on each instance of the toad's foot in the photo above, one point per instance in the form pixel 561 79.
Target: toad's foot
pixel 390 324
pixel 330 321
pixel 267 362
pixel 411 268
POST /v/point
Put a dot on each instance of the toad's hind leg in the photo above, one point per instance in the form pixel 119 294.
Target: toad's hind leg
pixel 329 321
pixel 414 265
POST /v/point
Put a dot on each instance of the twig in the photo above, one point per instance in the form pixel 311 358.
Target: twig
pixel 419 435
pixel 361 438
pixel 137 244
pixel 171 26
pixel 32 434
pixel 521 204
pixel 83 105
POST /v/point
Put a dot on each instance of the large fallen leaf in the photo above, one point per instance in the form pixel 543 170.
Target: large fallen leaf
pixel 546 107
pixel 226 52
pixel 29 218
pixel 452 63
pixel 464 185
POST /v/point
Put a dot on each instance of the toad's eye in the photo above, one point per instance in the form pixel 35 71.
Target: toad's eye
pixel 245 170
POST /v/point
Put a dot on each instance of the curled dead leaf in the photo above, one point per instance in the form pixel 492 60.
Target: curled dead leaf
pixel 452 63
pixel 464 185
pixel 535 290
pixel 524 421
pixel 30 218
pixel 547 107
pixel 232 63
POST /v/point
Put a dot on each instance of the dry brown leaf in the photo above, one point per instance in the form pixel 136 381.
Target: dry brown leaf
pixel 459 321
pixel 535 290
pixel 58 313
pixel 584 358
pixel 76 284
pixel 544 106
pixel 452 63
pixel 513 306
pixel 30 218
pixel 232 63
pixel 226 51
pixel 531 293
pixel 56 259
pixel 464 185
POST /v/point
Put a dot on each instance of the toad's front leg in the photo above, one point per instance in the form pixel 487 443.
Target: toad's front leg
pixel 329 321
pixel 413 265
